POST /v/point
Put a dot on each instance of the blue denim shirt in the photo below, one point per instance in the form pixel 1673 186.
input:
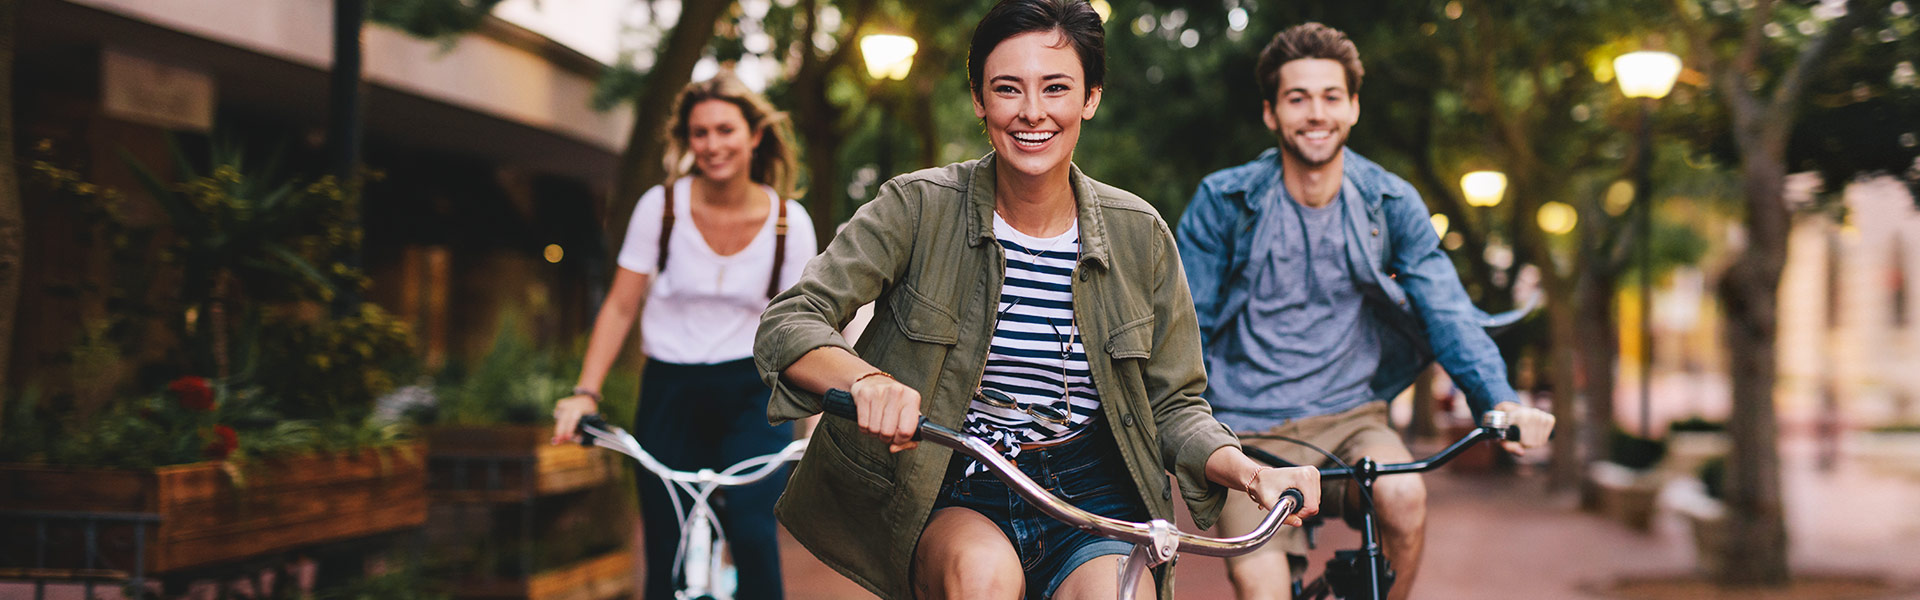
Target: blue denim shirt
pixel 1407 281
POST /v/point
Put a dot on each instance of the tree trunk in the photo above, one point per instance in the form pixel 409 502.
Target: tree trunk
pixel 1422 426
pixel 1599 349
pixel 1561 340
pixel 1756 549
pixel 12 222
pixel 818 121
pixel 642 164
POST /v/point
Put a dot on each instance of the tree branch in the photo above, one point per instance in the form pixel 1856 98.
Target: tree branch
pixel 1814 55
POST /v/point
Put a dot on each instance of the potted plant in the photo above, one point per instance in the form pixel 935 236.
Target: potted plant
pixel 1894 448
pixel 513 515
pixel 1626 485
pixel 250 432
pixel 1697 500
pixel 1691 442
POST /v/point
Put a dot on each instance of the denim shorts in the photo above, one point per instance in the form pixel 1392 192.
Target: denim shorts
pixel 1086 472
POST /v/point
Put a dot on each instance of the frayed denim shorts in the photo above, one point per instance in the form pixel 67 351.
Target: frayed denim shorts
pixel 1086 472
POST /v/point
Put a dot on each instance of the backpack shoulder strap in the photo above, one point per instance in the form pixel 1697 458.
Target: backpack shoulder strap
pixel 779 250
pixel 666 229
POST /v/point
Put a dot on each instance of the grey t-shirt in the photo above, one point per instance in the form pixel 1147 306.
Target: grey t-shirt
pixel 1304 346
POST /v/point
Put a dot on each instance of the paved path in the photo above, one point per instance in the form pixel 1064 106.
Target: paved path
pixel 1497 537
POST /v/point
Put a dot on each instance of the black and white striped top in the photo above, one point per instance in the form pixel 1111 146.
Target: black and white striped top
pixel 1037 357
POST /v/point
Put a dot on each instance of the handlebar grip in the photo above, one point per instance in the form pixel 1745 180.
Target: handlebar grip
pixel 1512 433
pixel 1299 500
pixel 839 403
pixel 580 429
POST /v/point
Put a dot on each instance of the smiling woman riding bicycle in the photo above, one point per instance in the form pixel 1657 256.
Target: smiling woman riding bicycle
pixel 1023 302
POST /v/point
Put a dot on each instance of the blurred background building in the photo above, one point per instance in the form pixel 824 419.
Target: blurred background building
pixel 487 149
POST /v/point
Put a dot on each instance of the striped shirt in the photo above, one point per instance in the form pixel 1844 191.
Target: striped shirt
pixel 1036 357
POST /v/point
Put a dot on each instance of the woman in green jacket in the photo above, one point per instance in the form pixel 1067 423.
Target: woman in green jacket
pixel 1025 303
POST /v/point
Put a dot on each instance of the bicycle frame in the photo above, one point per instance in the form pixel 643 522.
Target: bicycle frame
pixel 1371 561
pixel 1154 542
pixel 702 540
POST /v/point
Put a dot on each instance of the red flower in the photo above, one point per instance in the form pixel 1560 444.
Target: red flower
pixel 192 393
pixel 225 440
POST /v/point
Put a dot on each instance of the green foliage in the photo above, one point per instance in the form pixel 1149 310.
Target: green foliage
pixel 445 20
pixel 1859 109
pixel 242 218
pixel 1713 473
pixel 1634 452
pixel 246 236
pixel 164 428
pixel 331 369
pixel 517 381
pixel 395 584
pixel 1696 424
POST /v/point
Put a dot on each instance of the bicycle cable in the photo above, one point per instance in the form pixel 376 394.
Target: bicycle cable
pixel 1365 494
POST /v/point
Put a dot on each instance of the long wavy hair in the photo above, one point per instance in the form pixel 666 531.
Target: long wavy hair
pixel 774 163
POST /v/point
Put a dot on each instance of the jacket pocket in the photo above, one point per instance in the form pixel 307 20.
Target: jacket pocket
pixel 1132 339
pixel 843 447
pixel 921 319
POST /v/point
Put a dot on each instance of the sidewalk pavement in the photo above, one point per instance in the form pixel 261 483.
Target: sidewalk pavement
pixel 1500 537
pixel 1496 537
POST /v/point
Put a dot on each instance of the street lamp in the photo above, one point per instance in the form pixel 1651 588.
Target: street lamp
pixel 888 56
pixel 1646 75
pixel 1484 188
pixel 1557 218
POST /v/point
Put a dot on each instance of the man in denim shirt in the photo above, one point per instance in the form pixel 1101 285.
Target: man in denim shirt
pixel 1322 292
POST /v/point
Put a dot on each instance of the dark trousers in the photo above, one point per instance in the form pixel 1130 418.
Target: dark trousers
pixel 695 417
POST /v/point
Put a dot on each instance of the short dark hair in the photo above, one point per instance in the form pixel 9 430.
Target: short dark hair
pixel 1307 40
pixel 1075 19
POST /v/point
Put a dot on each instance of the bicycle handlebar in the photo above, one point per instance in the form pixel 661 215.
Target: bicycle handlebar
pixel 1159 535
pixel 594 431
pixel 1493 427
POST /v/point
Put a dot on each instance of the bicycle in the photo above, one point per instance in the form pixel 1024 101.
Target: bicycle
pixel 1365 572
pixel 1154 542
pixel 698 560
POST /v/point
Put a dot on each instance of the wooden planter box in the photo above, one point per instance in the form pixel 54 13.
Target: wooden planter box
pixel 1707 519
pixel 507 463
pixel 507 487
pixel 1893 453
pixel 606 576
pixel 201 518
pixel 1623 494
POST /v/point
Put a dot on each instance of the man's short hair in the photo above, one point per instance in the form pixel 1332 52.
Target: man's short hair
pixel 1307 40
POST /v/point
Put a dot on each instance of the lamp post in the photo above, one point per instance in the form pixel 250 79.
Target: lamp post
pixel 1484 188
pixel 888 57
pixel 1647 75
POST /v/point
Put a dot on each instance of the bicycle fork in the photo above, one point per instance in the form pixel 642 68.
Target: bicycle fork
pixel 1363 573
pixel 702 559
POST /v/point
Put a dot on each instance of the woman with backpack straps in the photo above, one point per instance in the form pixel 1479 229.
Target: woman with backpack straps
pixel 705 252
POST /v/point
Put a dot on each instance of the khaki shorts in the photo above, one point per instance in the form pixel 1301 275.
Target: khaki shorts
pixel 1356 433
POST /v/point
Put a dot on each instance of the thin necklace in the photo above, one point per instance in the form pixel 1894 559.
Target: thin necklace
pixel 1066 343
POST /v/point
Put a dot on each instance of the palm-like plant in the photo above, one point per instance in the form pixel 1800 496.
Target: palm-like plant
pixel 244 233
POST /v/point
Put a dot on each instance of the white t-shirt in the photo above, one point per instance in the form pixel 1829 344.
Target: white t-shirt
pixel 706 308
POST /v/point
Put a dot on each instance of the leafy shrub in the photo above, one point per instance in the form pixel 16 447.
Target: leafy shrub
pixel 1697 424
pixel 1713 473
pixel 1633 451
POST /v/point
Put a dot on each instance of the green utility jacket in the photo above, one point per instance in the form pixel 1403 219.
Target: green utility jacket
pixel 924 252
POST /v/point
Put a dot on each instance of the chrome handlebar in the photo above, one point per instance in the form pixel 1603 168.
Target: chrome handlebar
pixel 1159 535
